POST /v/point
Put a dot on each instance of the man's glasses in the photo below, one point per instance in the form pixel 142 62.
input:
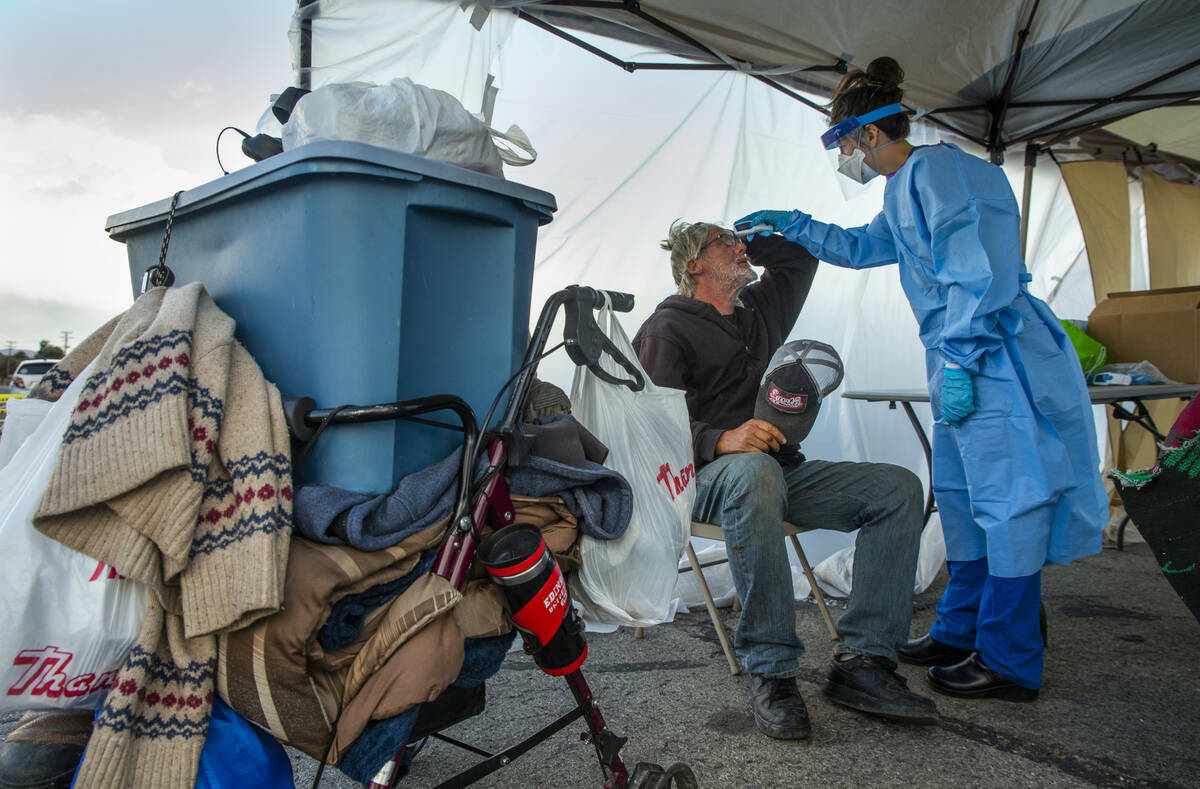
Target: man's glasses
pixel 726 238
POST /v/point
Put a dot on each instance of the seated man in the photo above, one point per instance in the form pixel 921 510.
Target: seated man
pixel 714 341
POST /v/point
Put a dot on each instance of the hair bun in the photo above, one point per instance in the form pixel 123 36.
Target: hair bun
pixel 884 72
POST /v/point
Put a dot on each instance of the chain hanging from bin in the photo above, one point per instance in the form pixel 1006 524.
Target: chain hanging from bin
pixel 160 275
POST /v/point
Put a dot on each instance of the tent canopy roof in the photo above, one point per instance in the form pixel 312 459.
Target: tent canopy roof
pixel 1000 72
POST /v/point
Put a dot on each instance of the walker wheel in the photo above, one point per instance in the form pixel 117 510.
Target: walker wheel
pixel 651 776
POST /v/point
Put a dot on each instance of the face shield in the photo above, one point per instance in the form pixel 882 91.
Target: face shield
pixel 846 147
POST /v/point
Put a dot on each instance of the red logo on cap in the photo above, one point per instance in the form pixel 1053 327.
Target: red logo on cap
pixel 784 402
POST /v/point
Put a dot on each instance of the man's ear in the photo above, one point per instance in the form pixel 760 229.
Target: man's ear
pixel 694 266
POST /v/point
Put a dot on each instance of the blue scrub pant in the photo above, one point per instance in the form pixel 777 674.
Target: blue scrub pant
pixel 997 617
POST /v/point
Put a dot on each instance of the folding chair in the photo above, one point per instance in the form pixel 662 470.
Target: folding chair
pixel 711 531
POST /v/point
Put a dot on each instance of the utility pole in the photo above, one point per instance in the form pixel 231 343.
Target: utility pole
pixel 66 335
pixel 8 365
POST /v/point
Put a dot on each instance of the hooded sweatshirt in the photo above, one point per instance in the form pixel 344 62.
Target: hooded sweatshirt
pixel 719 360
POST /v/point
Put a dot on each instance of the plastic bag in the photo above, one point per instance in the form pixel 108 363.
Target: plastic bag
pixel 719 577
pixel 1128 374
pixel 631 580
pixel 68 620
pixel 835 573
pixel 237 754
pixel 1090 352
pixel 24 415
pixel 406 117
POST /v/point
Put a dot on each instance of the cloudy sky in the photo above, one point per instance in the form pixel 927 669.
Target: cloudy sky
pixel 106 107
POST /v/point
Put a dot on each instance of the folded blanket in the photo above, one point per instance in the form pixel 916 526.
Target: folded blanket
pixel 599 497
pixel 277 675
pixel 370 523
pixel 349 614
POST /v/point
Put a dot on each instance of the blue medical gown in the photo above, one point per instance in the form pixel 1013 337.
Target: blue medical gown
pixel 1018 481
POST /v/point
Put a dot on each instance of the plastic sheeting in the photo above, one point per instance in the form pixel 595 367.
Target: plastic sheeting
pixel 1173 232
pixel 625 155
pixel 430 41
pixel 1101 195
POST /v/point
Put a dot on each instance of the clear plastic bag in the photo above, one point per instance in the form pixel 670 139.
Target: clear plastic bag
pixel 631 580
pixel 68 620
pixel 1128 374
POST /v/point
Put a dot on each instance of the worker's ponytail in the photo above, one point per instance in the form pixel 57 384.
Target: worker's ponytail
pixel 861 91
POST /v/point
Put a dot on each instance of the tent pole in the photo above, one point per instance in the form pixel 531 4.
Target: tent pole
pixel 1031 154
pixel 305 80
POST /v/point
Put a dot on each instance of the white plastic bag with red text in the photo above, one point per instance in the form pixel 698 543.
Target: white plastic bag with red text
pixel 631 580
pixel 68 620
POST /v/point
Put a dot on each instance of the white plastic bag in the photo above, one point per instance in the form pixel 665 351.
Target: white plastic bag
pixel 406 117
pixel 631 580
pixel 68 620
pixel 835 573
pixel 24 415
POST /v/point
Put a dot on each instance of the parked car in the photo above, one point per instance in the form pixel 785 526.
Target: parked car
pixel 28 373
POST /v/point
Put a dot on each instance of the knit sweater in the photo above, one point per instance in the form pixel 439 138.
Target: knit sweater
pixel 175 470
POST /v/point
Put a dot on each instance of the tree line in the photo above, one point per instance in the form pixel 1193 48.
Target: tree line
pixel 46 350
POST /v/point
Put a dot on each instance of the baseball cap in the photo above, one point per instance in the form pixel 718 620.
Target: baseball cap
pixel 801 373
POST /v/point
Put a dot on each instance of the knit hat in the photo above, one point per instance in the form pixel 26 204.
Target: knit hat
pixel 800 374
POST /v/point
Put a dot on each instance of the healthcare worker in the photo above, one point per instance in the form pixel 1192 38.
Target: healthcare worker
pixel 1015 465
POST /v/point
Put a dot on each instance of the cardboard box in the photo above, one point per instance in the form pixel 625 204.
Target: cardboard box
pixel 1159 326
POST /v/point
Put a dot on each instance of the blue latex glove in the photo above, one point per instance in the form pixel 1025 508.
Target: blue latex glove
pixel 776 219
pixel 958 395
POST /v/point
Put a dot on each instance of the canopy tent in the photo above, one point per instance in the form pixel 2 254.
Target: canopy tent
pixel 998 73
pixel 995 73
pixel 627 154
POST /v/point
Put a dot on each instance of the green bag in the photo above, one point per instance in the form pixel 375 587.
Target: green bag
pixel 1091 353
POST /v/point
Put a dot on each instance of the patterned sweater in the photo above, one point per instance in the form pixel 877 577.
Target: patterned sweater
pixel 175 470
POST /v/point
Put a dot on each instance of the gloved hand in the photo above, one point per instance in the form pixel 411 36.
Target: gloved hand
pixel 958 395
pixel 776 219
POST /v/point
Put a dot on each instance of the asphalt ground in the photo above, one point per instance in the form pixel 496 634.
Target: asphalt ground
pixel 1120 705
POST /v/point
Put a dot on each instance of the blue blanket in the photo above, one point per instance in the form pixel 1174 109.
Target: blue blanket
pixel 597 496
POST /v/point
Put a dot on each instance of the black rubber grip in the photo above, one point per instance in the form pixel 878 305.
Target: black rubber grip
pixel 621 302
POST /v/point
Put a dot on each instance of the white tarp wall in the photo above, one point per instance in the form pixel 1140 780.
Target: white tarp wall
pixel 625 155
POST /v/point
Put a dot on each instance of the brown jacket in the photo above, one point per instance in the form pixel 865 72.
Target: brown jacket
pixel 277 675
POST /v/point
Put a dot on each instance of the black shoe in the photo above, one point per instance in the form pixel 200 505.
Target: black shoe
pixel 869 683
pixel 928 651
pixel 972 679
pixel 38 765
pixel 778 709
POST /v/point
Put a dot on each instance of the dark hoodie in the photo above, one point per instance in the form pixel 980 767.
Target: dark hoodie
pixel 720 360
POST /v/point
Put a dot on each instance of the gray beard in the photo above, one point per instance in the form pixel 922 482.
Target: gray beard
pixel 740 281
pixel 746 278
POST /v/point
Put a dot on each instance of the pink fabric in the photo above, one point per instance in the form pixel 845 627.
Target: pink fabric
pixel 1187 425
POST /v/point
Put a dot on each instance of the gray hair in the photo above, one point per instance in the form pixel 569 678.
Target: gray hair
pixel 685 241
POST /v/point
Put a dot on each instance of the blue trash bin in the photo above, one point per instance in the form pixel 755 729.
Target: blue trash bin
pixel 360 275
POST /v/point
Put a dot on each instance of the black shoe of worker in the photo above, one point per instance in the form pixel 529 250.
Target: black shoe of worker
pixel 972 679
pixel 778 709
pixel 869 683
pixel 38 765
pixel 928 651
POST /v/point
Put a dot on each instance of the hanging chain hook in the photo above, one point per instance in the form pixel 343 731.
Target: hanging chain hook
pixel 160 275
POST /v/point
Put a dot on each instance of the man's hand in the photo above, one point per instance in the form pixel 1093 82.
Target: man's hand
pixel 755 435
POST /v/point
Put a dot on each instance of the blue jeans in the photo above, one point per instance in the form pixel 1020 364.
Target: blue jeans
pixel 749 495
